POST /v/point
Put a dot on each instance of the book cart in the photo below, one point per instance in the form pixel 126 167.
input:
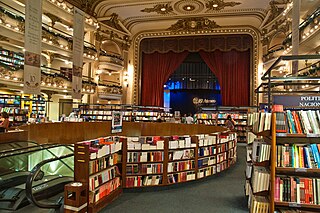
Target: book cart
pixel 294 137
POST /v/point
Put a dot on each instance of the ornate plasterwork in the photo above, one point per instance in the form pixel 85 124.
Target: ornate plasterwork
pixel 220 4
pixel 159 8
pixel 193 24
pixel 226 31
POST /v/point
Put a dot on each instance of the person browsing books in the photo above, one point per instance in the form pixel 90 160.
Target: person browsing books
pixel 189 119
pixel 229 123
pixel 4 125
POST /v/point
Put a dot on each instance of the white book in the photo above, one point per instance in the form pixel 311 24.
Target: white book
pixel 201 142
pixel 144 157
pixel 173 144
pixel 145 146
pixel 137 146
pixel 314 121
pixel 205 142
pixel 160 144
pixel 181 143
pixel 306 122
pixel 262 121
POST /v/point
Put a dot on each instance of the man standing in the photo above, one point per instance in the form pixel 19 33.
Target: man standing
pixel 189 119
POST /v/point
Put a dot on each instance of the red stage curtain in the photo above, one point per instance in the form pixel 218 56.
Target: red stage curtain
pixel 232 69
pixel 157 68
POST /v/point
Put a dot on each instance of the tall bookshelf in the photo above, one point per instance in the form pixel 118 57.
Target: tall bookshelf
pixel 130 112
pixel 98 165
pixel 294 163
pixel 12 105
pixel 218 116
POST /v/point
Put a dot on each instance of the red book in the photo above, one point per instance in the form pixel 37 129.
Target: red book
pixel 277 108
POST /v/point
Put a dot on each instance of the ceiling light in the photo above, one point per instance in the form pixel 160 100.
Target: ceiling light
pixel 163 9
pixel 215 5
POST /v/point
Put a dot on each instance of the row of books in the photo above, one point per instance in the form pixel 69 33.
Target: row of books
pixel 221 115
pixel 144 168
pixel 103 177
pixel 204 162
pixel 181 143
pixel 208 171
pixel 298 122
pixel 259 204
pixel 181 154
pixel 222 166
pixel 207 140
pixel 125 113
pixel 207 122
pixel 154 156
pixel 181 166
pixel 206 151
pixel 297 190
pixel 222 147
pixel 260 121
pixel 12 110
pixel 298 156
pixel 260 151
pixel 146 146
pixel 221 157
pixel 104 190
pixel 138 181
pixel 103 163
pixel 260 179
pixel 103 146
pixel 181 177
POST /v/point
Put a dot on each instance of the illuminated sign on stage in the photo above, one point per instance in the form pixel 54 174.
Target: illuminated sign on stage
pixel 197 101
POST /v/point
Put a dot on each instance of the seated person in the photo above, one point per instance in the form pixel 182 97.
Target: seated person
pixel 4 125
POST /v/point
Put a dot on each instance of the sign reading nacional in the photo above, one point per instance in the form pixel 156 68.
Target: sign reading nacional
pixel 32 45
pixel 297 101
pixel 199 101
pixel 77 51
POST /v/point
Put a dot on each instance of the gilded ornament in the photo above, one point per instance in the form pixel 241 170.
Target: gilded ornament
pixel 220 4
pixel 193 25
pixel 159 8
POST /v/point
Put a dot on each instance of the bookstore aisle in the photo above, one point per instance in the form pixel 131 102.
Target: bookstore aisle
pixel 220 193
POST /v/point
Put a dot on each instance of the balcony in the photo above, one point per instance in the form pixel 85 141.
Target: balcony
pixel 109 92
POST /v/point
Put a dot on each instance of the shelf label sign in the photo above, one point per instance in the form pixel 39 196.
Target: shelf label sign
pixel 32 45
pixel 116 123
pixel 77 52
pixel 297 101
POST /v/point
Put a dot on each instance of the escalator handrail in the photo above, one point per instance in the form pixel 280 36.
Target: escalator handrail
pixel 33 174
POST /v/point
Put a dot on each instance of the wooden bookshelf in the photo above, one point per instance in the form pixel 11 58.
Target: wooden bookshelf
pixel 87 175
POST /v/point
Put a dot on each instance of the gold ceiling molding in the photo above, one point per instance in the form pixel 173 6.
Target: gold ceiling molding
pixel 249 30
pixel 160 9
pixel 193 24
pixel 220 4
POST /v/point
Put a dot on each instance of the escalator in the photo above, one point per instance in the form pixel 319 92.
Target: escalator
pixel 54 166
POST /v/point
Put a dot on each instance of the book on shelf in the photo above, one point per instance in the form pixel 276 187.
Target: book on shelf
pixel 208 161
pixel 249 167
pixel 259 204
pixel 181 154
pixel 101 178
pixel 260 151
pixel 181 166
pixel 260 179
pixel 104 190
pixel 148 180
pixel 300 190
pixel 207 171
pixel 181 177
pixel 144 168
pixel 298 156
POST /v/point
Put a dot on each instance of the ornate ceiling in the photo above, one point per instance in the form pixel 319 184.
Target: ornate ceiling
pixel 155 15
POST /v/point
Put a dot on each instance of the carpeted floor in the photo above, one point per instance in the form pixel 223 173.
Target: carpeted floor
pixel 221 193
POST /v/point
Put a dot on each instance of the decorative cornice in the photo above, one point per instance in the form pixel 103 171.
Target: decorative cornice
pixel 258 13
pixel 193 24
pixel 53 18
pixel 220 4
pixel 159 8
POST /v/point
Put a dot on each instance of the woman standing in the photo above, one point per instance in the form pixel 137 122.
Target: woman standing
pixel 229 123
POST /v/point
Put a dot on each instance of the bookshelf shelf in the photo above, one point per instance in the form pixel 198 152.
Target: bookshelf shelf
pixel 178 160
pixel 298 205
pixel 263 164
pixel 146 162
pixel 143 174
pixel 100 171
pixel 97 206
pixel 298 171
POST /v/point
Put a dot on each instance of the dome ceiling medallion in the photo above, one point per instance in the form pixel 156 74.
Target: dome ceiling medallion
pixel 220 4
pixel 193 25
pixel 188 6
